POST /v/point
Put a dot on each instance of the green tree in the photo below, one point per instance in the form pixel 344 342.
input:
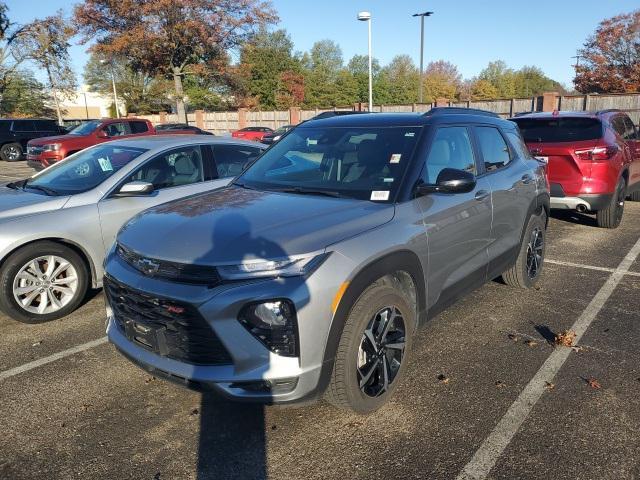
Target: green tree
pixel 501 77
pixel 358 67
pixel 11 55
pixel 398 82
pixel 441 80
pixel 322 67
pixel 24 96
pixel 483 90
pixel 262 62
pixel 530 81
pixel 170 37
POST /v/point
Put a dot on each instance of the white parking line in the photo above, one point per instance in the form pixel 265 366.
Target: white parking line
pixel 588 267
pixel 51 358
pixel 487 455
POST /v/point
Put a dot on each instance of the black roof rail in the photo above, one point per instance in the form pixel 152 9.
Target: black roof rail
pixel 608 110
pixel 519 114
pixel 337 113
pixel 459 111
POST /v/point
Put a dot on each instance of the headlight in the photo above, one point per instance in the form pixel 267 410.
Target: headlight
pixel 51 147
pixel 288 267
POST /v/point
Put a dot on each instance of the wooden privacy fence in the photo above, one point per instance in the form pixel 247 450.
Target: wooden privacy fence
pixel 222 123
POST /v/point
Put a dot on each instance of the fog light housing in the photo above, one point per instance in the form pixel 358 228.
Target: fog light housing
pixel 274 324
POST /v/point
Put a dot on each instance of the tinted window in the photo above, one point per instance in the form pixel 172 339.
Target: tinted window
pixel 495 151
pixel 86 169
pixel 618 126
pixel 518 143
pixel 182 166
pixel 450 148
pixel 231 159
pixel 5 125
pixel 367 163
pixel 46 125
pixel 23 126
pixel 564 129
pixel 138 127
pixel 116 129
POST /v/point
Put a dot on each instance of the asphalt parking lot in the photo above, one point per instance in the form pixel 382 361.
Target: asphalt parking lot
pixel 487 395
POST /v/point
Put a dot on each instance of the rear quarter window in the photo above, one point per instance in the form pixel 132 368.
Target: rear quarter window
pixel 139 127
pixel 561 129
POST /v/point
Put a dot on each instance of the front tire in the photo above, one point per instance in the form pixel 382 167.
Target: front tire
pixel 372 354
pixel 611 216
pixel 11 152
pixel 526 272
pixel 42 281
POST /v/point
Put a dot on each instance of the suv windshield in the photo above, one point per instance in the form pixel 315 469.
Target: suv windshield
pixel 85 128
pixel 562 129
pixel 84 170
pixel 366 163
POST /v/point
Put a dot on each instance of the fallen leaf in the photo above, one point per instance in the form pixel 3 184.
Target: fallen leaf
pixel 549 385
pixel 149 379
pixel 442 378
pixel 566 338
pixel 86 406
pixel 195 411
pixel 577 348
pixel 500 384
pixel 593 383
pixel 513 337
pixel 531 343
pixel 39 342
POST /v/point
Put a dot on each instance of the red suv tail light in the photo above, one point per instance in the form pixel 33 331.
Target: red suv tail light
pixel 597 154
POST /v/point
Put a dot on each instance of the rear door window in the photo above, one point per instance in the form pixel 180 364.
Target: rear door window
pixel 182 166
pixel 23 126
pixel 494 148
pixel 46 125
pixel 231 159
pixel 561 129
pixel 630 130
pixel 138 127
pixel 116 129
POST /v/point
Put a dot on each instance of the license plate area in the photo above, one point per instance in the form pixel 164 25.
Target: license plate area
pixel 147 336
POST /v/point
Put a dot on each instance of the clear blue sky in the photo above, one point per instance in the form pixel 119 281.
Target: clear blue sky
pixel 469 33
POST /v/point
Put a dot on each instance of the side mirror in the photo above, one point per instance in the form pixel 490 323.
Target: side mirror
pixel 450 180
pixel 135 189
pixel 102 134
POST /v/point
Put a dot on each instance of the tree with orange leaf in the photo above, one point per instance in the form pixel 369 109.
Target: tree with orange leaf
pixel 611 57
pixel 170 37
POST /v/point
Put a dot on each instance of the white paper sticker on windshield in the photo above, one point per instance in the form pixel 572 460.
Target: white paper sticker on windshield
pixel 395 158
pixel 105 164
pixel 410 134
pixel 380 195
pixel 312 141
pixel 387 180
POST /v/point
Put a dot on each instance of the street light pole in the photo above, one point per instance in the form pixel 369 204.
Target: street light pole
pixel 421 15
pixel 113 84
pixel 366 17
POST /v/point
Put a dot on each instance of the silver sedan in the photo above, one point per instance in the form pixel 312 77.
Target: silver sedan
pixel 56 226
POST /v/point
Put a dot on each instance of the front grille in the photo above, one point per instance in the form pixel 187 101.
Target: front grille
pixel 168 328
pixel 178 272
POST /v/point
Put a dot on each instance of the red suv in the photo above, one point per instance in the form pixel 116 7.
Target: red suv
pixel 593 160
pixel 251 133
pixel 45 151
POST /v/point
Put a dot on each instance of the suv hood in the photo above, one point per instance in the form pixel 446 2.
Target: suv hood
pixel 235 224
pixel 17 202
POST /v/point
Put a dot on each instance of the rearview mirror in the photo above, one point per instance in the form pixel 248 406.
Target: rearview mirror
pixel 450 180
pixel 135 189
pixel 102 134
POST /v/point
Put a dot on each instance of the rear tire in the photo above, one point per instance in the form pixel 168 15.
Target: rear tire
pixel 611 216
pixel 11 152
pixel 526 272
pixel 370 363
pixel 42 281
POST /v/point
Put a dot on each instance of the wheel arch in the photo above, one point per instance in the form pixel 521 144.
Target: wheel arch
pixel 400 261
pixel 84 255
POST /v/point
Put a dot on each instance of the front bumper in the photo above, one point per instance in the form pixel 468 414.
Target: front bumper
pixel 255 373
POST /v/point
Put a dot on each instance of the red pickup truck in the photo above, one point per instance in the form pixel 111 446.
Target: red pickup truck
pixel 42 152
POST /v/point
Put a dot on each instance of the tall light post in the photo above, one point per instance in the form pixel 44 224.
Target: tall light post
pixel 366 17
pixel 113 84
pixel 421 15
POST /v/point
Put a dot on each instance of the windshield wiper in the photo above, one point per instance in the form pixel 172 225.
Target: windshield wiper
pixel 47 190
pixel 310 191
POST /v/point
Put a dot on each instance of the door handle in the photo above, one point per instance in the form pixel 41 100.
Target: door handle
pixel 481 194
pixel 527 179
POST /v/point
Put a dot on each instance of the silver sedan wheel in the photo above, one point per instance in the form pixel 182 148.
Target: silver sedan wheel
pixel 45 284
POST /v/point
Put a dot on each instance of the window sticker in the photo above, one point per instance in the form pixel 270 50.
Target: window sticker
pixel 105 164
pixel 395 158
pixel 380 195
pixel 410 134
pixel 387 180
pixel 312 141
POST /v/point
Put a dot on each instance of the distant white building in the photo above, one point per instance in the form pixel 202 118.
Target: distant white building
pixel 85 104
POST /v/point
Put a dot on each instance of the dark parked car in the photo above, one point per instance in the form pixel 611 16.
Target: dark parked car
pixel 292 284
pixel 593 160
pixel 273 137
pixel 16 132
pixel 163 128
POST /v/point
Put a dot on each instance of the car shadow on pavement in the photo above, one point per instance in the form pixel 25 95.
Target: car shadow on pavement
pixel 571 216
pixel 232 443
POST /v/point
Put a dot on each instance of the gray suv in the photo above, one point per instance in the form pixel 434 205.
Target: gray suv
pixel 311 272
